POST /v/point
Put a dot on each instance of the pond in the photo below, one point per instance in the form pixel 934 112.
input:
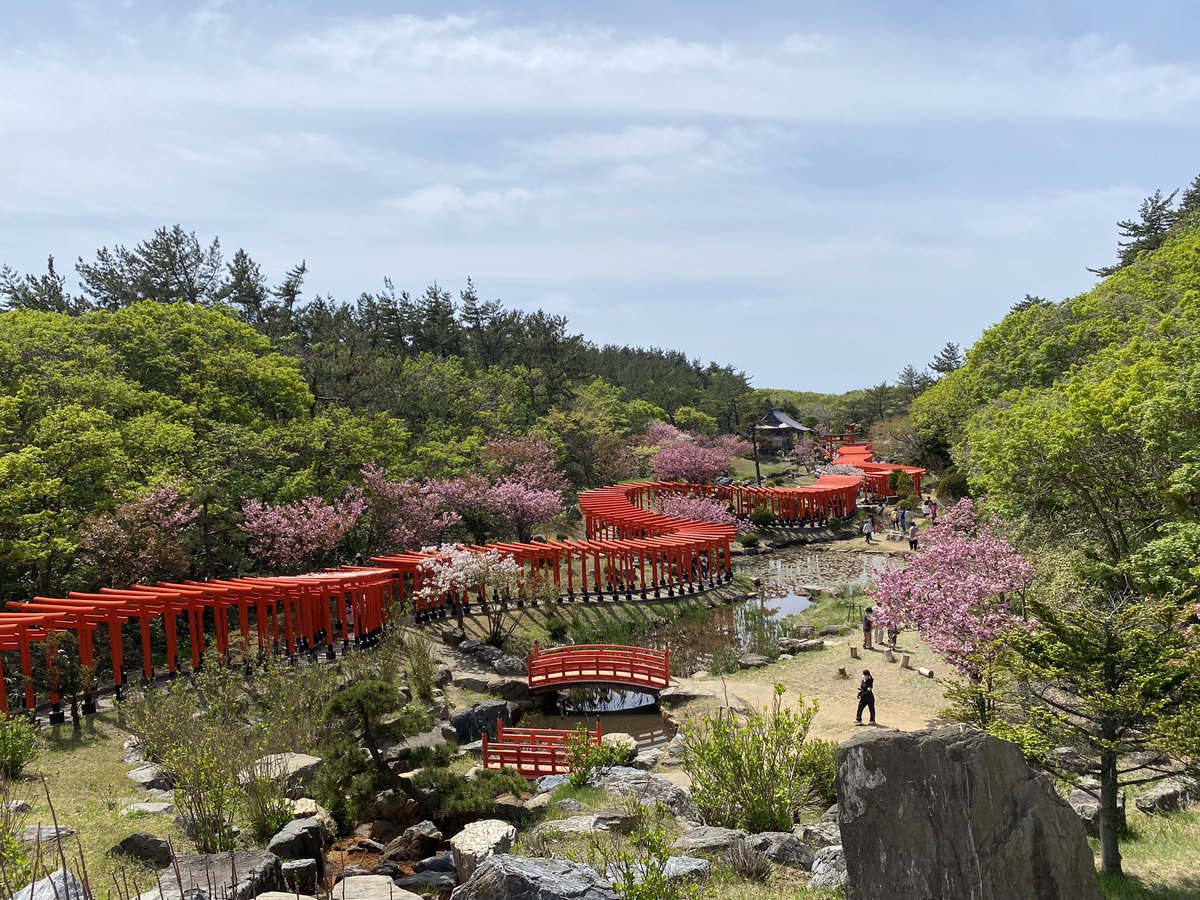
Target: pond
pixel 713 641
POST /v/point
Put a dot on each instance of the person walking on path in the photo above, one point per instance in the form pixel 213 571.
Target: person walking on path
pixel 913 531
pixel 866 698
pixel 868 528
pixel 867 625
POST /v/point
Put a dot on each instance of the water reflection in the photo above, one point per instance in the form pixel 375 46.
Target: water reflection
pixel 629 712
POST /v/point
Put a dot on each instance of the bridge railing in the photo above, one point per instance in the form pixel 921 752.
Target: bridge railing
pixel 599 663
pixel 533 752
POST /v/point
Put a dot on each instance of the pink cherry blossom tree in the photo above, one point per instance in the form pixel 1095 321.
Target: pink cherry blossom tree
pixel 701 509
pixel 404 515
pixel 293 536
pixel 522 505
pixel 961 591
pixel 494 577
pixel 530 461
pixel 839 469
pixel 142 539
pixel 659 434
pixel 687 461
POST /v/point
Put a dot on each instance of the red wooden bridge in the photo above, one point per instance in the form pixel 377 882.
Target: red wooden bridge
pixel 533 752
pixel 599 665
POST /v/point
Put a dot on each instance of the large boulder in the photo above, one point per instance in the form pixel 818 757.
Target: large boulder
pixel 151 777
pixel 1167 796
pixel 477 841
pixel 60 885
pixel 257 872
pixel 624 746
pixel 829 869
pixel 676 870
pixel 507 664
pixel 301 876
pixel 306 807
pixel 1087 808
pixel 966 809
pixel 372 887
pixel 504 877
pixel 783 848
pixel 470 724
pixel 297 770
pixel 417 842
pixel 145 847
pixel 300 839
pixel 650 789
pixel 508 687
pixel 708 839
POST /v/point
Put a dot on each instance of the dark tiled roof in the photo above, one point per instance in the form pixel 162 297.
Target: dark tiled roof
pixel 779 417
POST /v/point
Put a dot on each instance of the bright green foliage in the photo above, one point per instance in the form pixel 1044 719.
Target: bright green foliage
pixel 818 766
pixel 588 760
pixel 752 770
pixel 18 745
pixel 454 800
pixel 637 867
pixel 762 518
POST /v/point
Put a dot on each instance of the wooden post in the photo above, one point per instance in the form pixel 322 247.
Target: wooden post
pixel 887 655
pixel 904 662
pixel 928 673
pixel 853 652
pixel 842 672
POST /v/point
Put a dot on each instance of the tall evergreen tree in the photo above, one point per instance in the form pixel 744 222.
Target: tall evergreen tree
pixel 1144 234
pixel 171 266
pixel 44 293
pixel 948 359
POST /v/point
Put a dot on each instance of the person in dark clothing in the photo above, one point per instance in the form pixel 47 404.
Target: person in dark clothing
pixel 868 625
pixel 866 697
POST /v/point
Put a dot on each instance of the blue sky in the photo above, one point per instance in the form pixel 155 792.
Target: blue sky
pixel 817 193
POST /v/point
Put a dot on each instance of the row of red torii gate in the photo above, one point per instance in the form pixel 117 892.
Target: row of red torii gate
pixel 629 549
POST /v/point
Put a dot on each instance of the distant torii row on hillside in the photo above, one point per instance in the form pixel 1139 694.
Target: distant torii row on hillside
pixel 629 548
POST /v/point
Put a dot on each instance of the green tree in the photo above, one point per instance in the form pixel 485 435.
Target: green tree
pixel 947 359
pixel 1144 234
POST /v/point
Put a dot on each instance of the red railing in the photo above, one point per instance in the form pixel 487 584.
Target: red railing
pixel 533 752
pixel 599 664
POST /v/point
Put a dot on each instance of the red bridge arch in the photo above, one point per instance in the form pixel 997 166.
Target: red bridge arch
pixel 599 665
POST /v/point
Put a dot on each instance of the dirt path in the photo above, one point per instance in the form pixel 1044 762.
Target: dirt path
pixel 903 699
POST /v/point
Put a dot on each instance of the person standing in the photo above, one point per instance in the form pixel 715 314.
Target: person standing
pixel 867 625
pixel 880 633
pixel 913 532
pixel 866 697
pixel 868 528
pixel 903 519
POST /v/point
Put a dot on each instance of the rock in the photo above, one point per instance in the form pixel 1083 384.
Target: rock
pixel 830 631
pixel 470 645
pixel 372 887
pixel 257 872
pixel 487 653
pixel 981 821
pixel 300 839
pixel 443 676
pixel 753 661
pixel 441 863
pixel 425 882
pixel 535 803
pixel 508 687
pixel 504 877
pixel 1087 808
pixel 351 872
pixel 284 895
pixel 470 724
pixel 396 807
pixel 650 789
pixel 147 848
pixel 417 842
pixel 822 834
pixel 803 632
pixel 148 809
pixel 569 825
pixel 306 807
pixel 610 819
pixel 507 664
pixel 625 746
pixel 783 848
pixel 16 807
pixel 833 814
pixel 44 834
pixel 299 770
pixel 476 682
pixel 569 805
pixel 1167 796
pixel 453 636
pixel 300 875
pixel 549 783
pixel 829 868
pixel 151 777
pixel 708 839
pixel 647 759
pixel 369 846
pixel 678 869
pixel 448 732
pixel 133 750
pixel 60 885
pixel 511 808
pixel 678 693
pixel 477 841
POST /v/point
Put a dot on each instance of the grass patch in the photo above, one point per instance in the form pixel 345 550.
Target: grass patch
pixel 1159 856
pixel 590 798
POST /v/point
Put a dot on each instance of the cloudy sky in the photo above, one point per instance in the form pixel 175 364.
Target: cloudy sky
pixel 814 192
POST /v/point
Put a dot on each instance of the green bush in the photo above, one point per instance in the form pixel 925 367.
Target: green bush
pixel 637 868
pixel 587 759
pixel 835 524
pixel 750 770
pixel 418 656
pixel 818 765
pixel 952 487
pixel 347 782
pixel 454 800
pixel 748 540
pixel 18 745
pixel 762 518
pixel 265 806
pixel 557 627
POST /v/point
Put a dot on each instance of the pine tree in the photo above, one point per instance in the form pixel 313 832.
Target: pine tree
pixel 948 359
pixel 45 293
pixel 172 266
pixel 1144 234
pixel 913 381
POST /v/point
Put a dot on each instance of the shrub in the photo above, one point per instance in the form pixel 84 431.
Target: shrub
pixel 637 869
pixel 557 628
pixel 818 765
pixel 762 518
pixel 454 800
pixel 723 661
pixel 347 782
pixel 749 769
pixel 835 524
pixel 952 487
pixel 419 660
pixel 265 806
pixel 748 540
pixel 588 760
pixel 746 862
pixel 18 745
pixel 290 705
